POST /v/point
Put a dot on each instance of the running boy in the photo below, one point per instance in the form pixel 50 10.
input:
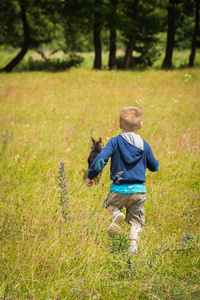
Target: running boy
pixel 130 156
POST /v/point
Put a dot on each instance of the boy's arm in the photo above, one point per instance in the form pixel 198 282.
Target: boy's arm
pixel 100 161
pixel 152 162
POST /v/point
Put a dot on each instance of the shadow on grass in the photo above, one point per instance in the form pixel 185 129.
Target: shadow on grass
pixel 50 65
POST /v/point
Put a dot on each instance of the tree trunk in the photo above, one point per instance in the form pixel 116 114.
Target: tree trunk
pixel 167 63
pixel 129 51
pixel 112 54
pixel 97 49
pixel 113 36
pixel 10 66
pixel 97 36
pixel 132 40
pixel 194 38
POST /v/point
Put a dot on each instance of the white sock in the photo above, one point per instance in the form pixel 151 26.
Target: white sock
pixel 133 249
pixel 116 211
pixel 133 243
pixel 135 235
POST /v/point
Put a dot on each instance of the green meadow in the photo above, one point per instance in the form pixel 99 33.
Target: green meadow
pixel 47 119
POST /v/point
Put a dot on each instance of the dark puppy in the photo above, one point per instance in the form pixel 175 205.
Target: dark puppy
pixel 95 150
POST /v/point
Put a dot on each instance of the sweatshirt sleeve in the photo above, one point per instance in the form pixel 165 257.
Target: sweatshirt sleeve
pixel 101 160
pixel 152 162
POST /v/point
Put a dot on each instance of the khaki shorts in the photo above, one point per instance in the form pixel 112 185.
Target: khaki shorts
pixel 134 203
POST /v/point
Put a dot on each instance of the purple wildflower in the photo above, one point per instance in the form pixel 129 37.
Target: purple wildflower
pixel 4 140
pixel 184 246
pixel 63 192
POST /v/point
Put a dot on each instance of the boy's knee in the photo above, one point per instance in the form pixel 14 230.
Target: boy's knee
pixel 136 228
pixel 111 209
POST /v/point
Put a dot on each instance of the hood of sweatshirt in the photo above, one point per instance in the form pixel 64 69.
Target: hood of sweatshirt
pixel 130 146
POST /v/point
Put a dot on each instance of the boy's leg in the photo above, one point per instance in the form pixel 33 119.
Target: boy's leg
pixel 134 236
pixel 136 218
pixel 118 218
pixel 113 210
pixel 114 202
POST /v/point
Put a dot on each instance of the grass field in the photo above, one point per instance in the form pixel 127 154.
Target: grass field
pixel 47 119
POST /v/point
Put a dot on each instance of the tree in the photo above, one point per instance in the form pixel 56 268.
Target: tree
pixel 10 66
pixel 83 18
pixel 195 34
pixel 76 21
pixel 167 63
pixel 97 35
pixel 112 21
pixel 27 24
pixel 139 28
pixel 132 34
pixel 146 39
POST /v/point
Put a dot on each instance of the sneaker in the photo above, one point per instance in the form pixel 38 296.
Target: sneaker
pixel 115 226
pixel 133 249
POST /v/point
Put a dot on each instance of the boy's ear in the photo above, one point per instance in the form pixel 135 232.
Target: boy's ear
pixel 120 125
pixel 141 125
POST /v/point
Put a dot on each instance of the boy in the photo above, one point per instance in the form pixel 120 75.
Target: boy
pixel 130 156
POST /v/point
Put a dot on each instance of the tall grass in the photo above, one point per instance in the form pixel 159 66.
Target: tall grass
pixel 47 119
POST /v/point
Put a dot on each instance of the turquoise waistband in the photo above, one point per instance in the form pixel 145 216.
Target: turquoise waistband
pixel 128 189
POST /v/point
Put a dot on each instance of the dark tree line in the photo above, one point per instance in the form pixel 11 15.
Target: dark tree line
pixel 176 10
pixel 83 24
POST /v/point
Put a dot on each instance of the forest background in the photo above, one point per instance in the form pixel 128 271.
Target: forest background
pixel 133 33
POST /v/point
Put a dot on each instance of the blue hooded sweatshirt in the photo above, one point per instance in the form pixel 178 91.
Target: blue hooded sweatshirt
pixel 130 156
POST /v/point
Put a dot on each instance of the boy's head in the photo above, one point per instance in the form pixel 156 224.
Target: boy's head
pixel 130 118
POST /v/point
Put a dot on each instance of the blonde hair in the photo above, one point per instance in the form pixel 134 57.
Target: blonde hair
pixel 130 117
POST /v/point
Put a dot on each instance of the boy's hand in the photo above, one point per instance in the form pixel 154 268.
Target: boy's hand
pixel 90 182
